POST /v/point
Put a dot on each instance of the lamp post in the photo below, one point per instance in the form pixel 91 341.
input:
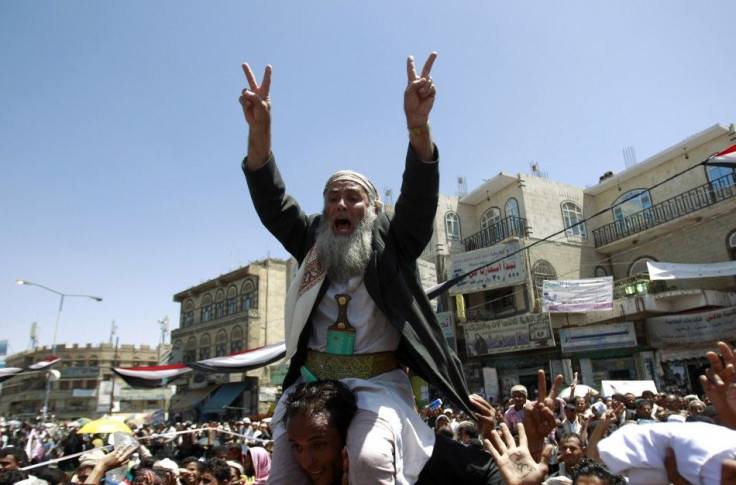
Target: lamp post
pixel 56 331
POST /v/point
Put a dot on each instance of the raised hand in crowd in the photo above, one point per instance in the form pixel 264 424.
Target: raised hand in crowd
pixel 610 416
pixel 112 460
pixel 719 383
pixel 515 462
pixel 486 415
pixel 539 415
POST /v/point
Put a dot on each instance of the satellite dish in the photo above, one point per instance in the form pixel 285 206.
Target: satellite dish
pixel 53 375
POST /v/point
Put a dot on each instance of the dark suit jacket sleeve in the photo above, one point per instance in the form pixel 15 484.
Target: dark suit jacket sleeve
pixel 279 212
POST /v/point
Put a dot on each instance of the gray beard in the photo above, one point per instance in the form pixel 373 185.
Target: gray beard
pixel 346 256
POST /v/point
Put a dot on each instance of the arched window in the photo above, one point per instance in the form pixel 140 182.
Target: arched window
pixel 600 272
pixel 452 226
pixel 220 343
pixel 236 340
pixel 220 304
pixel 190 351
pixel 206 309
pixel 204 347
pixel 490 226
pixel 572 214
pixel 232 300
pixel 249 296
pixel 187 316
pixel 542 270
pixel 639 267
pixel 512 208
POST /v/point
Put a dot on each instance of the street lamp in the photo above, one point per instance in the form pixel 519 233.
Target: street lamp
pixel 56 331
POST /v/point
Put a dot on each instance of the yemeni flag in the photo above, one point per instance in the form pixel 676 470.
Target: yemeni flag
pixel 243 361
pixel 726 158
pixel 161 376
pixel 10 372
pixel 151 377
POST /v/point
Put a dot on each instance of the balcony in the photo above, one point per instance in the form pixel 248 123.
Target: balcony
pixel 681 205
pixel 491 235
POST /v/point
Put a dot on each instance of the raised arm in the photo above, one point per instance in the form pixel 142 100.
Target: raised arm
pixel 539 416
pixel 256 105
pixel 719 382
pixel 418 101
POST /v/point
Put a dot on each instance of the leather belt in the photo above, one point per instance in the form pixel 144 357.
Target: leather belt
pixel 360 366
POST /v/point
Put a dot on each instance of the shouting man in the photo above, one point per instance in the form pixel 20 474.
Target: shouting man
pixel 356 310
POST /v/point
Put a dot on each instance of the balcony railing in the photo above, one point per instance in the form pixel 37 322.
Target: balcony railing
pixel 686 203
pixel 495 233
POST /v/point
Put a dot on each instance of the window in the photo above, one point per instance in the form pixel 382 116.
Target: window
pixel 221 343
pixel 512 208
pixel 249 298
pixel 572 214
pixel 542 270
pixel 206 309
pixel 731 243
pixel 204 347
pixel 627 205
pixel 187 315
pixel 220 304
pixel 639 267
pixel 452 226
pixel 232 300
pixel 190 352
pixel 236 340
pixel 490 227
pixel 721 180
pixel 600 272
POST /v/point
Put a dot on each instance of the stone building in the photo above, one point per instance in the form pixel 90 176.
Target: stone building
pixel 87 386
pixel 520 230
pixel 233 312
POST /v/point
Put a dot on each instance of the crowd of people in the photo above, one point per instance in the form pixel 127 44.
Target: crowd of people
pixel 175 454
pixel 648 439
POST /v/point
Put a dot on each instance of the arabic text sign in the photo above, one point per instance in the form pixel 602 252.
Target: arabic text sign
pixel 592 337
pixel 692 328
pixel 522 332
pixel 507 271
pixel 592 294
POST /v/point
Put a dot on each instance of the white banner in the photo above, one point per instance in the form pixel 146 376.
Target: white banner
pixel 594 337
pixel 693 328
pixel 592 294
pixel 509 271
pixel 673 271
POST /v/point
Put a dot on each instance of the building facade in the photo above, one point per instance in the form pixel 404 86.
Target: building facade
pixel 240 310
pixel 86 387
pixel 516 231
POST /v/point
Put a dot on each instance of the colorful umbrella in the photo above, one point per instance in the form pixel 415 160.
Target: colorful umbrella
pixel 104 425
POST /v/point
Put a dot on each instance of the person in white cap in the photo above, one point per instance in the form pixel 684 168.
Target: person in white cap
pixel 515 414
pixel 356 306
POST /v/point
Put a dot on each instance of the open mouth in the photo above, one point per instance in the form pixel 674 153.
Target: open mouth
pixel 343 225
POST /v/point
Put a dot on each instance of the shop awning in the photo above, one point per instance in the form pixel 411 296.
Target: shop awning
pixel 183 401
pixel 225 395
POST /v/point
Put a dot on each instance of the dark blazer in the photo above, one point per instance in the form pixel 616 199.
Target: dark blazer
pixel 391 277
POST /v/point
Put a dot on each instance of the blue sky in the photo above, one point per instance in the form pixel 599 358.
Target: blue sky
pixel 121 134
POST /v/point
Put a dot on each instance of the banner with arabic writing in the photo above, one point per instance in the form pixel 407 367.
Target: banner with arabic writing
pixel 507 270
pixel 522 332
pixel 591 294
pixel 692 328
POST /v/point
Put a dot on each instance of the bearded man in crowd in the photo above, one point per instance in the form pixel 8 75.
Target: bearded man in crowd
pixel 356 307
